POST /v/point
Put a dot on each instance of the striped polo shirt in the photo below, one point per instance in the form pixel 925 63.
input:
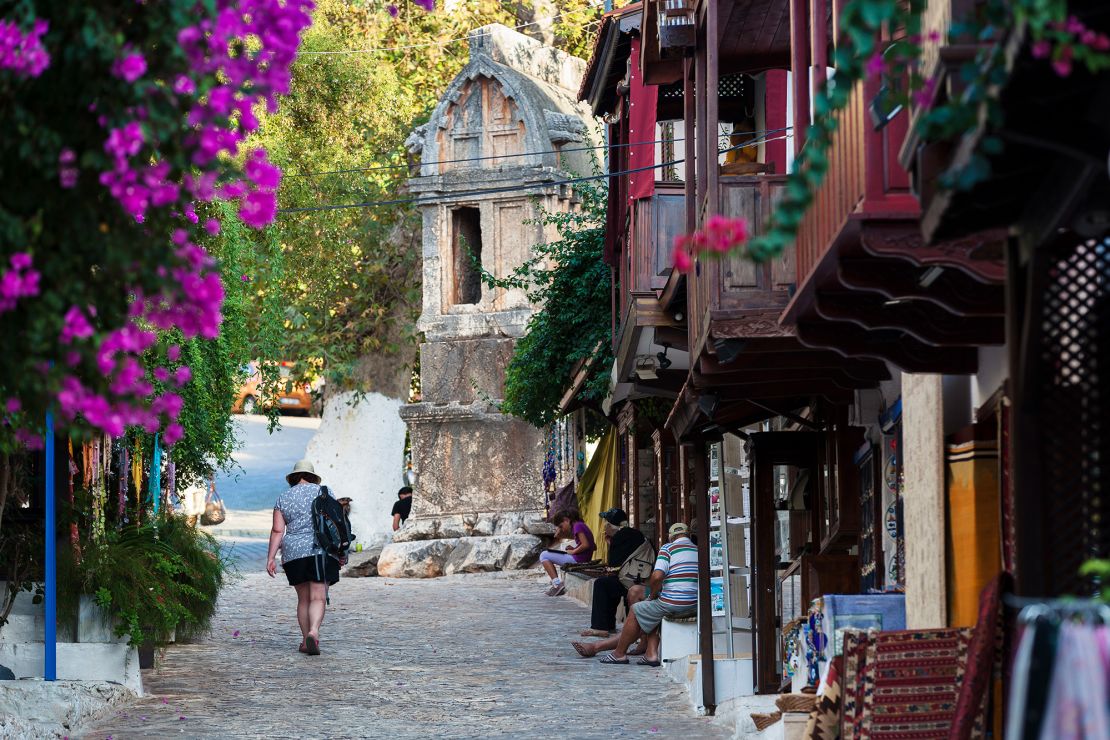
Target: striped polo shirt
pixel 679 562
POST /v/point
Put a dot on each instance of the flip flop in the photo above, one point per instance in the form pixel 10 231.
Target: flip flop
pixel 581 648
pixel 312 645
pixel 301 649
pixel 610 660
pixel 652 663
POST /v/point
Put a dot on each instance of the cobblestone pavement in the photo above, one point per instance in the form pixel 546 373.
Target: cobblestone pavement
pixel 466 656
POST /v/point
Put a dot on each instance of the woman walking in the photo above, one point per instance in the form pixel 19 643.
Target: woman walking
pixel 568 524
pixel 309 570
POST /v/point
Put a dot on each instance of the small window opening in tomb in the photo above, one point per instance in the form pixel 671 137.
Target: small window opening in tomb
pixel 467 240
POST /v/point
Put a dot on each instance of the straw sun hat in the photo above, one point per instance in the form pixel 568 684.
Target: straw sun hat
pixel 303 467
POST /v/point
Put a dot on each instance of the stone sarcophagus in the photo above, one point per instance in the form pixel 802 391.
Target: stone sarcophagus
pixel 492 157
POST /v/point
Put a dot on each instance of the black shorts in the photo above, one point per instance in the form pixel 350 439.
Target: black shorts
pixel 318 568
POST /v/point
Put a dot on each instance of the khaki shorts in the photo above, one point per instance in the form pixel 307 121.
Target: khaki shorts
pixel 650 613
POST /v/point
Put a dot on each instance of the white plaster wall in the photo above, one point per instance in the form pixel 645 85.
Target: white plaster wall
pixel 994 368
pixel 359 452
pixel 923 507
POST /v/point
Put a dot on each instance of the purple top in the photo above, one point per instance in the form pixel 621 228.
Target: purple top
pixel 586 555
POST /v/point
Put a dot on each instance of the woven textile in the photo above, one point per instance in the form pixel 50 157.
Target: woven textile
pixel 902 685
pixel 824 720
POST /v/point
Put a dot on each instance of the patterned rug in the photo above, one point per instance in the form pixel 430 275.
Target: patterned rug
pixel 902 685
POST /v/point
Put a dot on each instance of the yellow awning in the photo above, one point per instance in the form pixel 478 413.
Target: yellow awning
pixel 598 489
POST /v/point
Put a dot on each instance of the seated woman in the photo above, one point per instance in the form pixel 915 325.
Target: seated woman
pixel 568 524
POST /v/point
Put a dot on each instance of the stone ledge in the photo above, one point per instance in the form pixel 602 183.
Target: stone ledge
pixel 438 557
pixel 36 708
pixel 477 524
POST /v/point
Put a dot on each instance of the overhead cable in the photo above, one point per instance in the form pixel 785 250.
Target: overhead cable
pixel 512 188
pixel 510 156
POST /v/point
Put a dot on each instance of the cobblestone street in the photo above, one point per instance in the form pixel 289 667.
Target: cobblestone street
pixel 467 656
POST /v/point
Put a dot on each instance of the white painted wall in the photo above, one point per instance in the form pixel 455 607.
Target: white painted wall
pixel 359 452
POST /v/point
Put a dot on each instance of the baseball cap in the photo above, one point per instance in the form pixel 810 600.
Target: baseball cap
pixel 677 528
pixel 615 516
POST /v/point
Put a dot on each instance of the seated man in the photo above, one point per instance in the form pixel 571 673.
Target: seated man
pixel 624 541
pixel 673 592
pixel 635 595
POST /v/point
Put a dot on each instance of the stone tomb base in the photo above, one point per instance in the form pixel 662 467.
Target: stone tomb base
pixel 429 547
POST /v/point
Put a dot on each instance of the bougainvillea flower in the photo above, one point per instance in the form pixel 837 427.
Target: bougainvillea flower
pixel 130 68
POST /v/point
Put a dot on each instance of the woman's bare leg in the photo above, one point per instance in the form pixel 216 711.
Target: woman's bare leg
pixel 302 608
pixel 549 568
pixel 317 604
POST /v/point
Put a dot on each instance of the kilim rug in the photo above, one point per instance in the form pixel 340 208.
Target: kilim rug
pixel 902 685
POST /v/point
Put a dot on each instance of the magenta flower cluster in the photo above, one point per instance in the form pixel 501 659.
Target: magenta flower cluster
pixel 23 53
pixel 237 59
pixel 19 281
pixel 1071 35
pixel 721 234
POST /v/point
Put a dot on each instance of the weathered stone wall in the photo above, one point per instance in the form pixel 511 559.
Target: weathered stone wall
pixel 464 371
pixel 470 459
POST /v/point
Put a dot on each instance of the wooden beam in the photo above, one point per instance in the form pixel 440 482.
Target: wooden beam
pixel 926 322
pixel 953 291
pixel 901 350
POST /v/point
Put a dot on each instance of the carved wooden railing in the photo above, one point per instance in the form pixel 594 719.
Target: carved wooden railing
pixel 722 287
pixel 864 177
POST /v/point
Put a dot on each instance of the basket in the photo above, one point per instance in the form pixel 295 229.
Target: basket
pixel 763 721
pixel 803 703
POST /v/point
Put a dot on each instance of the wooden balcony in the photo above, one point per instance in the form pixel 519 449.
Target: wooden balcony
pixel 653 224
pixel 733 297
pixel 868 285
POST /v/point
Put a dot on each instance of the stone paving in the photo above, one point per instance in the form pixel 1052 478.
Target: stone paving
pixel 466 656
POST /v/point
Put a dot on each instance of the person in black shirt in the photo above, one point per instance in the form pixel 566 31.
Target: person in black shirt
pixel 608 590
pixel 402 507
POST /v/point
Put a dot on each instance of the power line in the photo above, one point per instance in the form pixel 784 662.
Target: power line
pixel 427 44
pixel 509 156
pixel 514 188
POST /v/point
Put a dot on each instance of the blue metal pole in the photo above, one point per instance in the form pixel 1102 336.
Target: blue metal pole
pixel 50 638
pixel 156 476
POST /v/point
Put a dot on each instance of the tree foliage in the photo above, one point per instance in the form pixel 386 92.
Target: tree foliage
pixel 570 281
pixel 350 279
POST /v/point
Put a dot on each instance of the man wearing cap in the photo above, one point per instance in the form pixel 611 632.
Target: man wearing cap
pixel 673 593
pixel 608 590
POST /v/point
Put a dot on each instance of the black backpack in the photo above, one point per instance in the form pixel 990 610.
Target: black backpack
pixel 331 525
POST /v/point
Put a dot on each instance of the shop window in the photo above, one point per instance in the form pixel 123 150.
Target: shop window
pixel 466 228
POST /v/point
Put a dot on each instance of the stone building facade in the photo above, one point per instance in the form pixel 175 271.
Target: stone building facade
pixel 491 156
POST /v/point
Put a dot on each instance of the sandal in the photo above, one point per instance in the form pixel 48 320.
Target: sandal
pixel 312 645
pixel 302 649
pixel 581 648
pixel 652 663
pixel 610 659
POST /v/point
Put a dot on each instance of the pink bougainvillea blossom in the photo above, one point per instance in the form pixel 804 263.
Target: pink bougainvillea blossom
pixel 428 5
pixel 680 257
pixel 19 282
pixel 394 11
pixel 258 209
pixel 22 53
pixel 173 434
pixel 236 59
pixel 130 67
pixel 721 234
pixel 75 326
pixel 875 65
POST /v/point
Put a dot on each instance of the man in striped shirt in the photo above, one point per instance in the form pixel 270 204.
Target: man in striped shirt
pixel 673 592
